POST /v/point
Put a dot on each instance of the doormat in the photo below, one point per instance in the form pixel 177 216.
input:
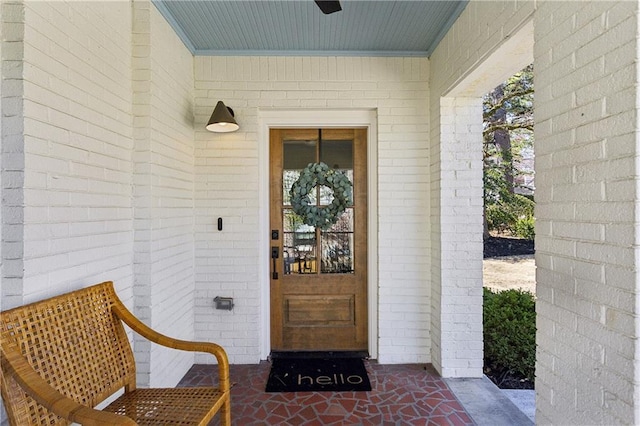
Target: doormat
pixel 317 375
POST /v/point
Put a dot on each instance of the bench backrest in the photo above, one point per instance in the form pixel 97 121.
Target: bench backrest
pixel 73 341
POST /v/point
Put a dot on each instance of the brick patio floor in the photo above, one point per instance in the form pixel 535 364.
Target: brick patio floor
pixel 401 395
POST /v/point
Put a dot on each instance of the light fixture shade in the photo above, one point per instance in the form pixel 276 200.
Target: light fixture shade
pixel 222 120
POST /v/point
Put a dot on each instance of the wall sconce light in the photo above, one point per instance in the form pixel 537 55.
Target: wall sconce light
pixel 222 120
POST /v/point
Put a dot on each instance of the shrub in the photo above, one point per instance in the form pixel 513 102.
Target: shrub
pixel 522 205
pixel 510 332
pixel 504 212
pixel 498 218
pixel 525 228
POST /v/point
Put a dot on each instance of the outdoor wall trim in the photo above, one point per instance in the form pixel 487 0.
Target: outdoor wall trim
pixel 286 118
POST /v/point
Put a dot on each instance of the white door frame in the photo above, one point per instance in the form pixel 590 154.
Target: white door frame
pixel 315 118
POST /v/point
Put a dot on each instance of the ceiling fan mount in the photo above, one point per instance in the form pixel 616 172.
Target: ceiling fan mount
pixel 329 6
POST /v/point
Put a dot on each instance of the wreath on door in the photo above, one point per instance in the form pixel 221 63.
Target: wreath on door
pixel 320 174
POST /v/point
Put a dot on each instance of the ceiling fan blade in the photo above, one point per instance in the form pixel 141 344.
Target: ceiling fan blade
pixel 328 6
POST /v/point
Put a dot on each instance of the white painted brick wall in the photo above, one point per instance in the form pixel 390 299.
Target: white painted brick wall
pixel 2 101
pixel 227 185
pixel 78 167
pixel 586 138
pixel 164 189
pixel 11 158
pixel 12 153
pixel 66 136
pixel 77 139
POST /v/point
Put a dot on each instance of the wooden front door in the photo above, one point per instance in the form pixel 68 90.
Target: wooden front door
pixel 318 276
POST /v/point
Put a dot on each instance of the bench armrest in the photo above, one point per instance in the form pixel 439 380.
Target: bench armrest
pixel 145 331
pixel 37 388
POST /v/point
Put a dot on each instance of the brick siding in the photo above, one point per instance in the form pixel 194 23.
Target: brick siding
pixel 586 147
pixel 228 176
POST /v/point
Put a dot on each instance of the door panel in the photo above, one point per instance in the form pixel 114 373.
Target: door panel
pixel 319 277
pixel 325 310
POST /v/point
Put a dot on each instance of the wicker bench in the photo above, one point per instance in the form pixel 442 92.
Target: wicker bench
pixel 63 356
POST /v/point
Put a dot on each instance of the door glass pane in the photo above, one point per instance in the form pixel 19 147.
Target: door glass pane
pixel 299 245
pixel 337 154
pixel 297 155
pixel 337 246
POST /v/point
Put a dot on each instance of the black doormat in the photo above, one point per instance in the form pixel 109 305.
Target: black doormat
pixel 328 374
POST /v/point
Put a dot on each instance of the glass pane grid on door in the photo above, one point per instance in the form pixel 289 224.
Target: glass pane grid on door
pixel 302 242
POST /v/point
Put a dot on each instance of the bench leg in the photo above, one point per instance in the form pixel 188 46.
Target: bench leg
pixel 225 413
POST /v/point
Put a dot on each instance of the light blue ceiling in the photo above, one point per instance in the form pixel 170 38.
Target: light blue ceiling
pixel 297 27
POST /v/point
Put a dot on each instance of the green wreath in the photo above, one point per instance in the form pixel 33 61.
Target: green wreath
pixel 320 174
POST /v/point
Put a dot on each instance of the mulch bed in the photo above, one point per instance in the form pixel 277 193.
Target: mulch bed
pixel 506 246
pixel 505 379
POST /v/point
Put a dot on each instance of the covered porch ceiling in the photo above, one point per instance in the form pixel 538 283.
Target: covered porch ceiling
pixel 298 27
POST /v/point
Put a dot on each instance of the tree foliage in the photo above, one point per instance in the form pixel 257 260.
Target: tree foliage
pixel 508 134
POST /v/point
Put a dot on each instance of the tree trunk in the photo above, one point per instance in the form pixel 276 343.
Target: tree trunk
pixel 503 141
pixel 485 224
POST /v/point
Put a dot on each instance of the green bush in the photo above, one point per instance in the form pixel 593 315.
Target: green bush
pixel 510 331
pixel 522 205
pixel 525 228
pixel 512 213
pixel 499 218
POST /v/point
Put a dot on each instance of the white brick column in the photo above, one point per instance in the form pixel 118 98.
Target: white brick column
pixel 586 112
pixel 456 213
pixel 488 42
pixel 163 177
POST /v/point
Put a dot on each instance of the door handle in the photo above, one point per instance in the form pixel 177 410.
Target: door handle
pixel 275 253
